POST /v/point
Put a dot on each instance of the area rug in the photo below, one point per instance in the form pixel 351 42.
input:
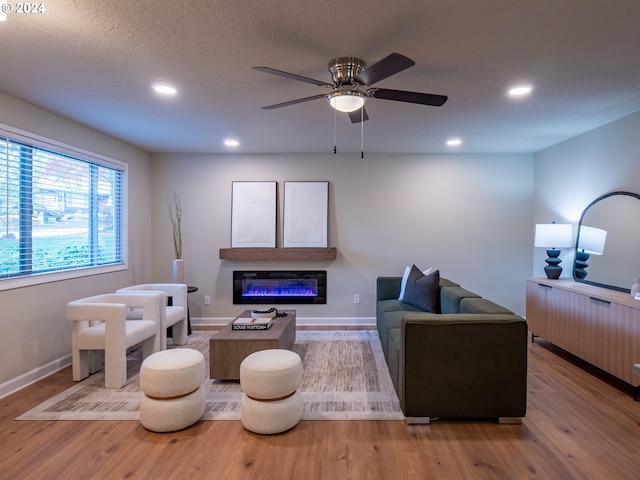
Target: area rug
pixel 344 377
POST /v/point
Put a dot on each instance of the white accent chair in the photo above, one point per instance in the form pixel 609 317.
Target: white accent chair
pixel 100 324
pixel 175 315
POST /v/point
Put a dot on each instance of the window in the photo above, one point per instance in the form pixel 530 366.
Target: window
pixel 61 211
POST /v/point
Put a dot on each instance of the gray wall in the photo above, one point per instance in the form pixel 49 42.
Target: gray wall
pixel 568 176
pixel 467 215
pixel 36 336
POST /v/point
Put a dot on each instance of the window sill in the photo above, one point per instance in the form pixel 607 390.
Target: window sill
pixel 38 279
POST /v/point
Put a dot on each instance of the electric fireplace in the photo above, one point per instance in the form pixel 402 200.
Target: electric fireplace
pixel 280 287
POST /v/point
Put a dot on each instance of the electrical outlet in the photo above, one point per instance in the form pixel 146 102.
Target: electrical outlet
pixel 207 299
pixel 356 298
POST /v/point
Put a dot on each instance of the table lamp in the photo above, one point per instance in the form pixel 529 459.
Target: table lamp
pixel 553 236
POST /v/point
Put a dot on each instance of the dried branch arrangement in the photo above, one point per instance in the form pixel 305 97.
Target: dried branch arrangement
pixel 175 214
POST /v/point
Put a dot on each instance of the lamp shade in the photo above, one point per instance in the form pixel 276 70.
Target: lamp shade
pixel 554 235
pixel 592 240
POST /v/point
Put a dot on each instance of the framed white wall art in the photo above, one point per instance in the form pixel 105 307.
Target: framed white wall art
pixel 253 214
pixel 305 214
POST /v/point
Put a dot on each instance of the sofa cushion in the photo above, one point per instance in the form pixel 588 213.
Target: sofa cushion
pixel 393 319
pixel 385 307
pixel 389 315
pixel 445 282
pixel 481 305
pixel 450 298
pixel 422 290
pixel 396 305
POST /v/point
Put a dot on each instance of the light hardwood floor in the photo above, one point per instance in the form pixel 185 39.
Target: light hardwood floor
pixel 577 427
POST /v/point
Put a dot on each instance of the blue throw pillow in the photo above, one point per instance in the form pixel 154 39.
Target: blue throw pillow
pixel 422 290
pixel 405 276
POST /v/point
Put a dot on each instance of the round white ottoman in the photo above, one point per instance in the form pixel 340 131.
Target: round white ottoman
pixel 270 380
pixel 173 398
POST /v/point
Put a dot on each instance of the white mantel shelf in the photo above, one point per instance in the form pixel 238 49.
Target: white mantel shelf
pixel 244 254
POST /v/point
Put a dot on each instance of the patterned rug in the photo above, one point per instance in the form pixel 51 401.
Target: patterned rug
pixel 344 377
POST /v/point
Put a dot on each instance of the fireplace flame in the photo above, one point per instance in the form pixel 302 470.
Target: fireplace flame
pixel 277 291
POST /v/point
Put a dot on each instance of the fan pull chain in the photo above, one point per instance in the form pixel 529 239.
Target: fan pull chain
pixel 335 141
pixel 362 132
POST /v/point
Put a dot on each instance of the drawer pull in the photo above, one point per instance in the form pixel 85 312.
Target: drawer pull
pixel 599 300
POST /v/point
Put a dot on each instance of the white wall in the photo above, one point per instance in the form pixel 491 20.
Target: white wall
pixel 468 215
pixel 36 337
pixel 568 176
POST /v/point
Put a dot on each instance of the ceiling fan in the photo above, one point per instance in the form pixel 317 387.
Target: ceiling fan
pixel 351 86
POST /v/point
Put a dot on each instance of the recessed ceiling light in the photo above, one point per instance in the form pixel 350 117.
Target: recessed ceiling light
pixel 230 142
pixel 454 142
pixel 164 89
pixel 520 90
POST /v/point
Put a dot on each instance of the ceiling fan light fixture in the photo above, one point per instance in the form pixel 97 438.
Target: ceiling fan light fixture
pixel 347 100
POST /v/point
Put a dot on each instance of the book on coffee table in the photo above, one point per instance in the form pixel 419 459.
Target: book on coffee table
pixel 248 323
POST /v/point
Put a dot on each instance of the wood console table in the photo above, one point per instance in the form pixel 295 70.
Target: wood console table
pixel 598 325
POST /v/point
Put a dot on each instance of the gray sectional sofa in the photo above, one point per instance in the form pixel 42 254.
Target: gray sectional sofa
pixel 466 358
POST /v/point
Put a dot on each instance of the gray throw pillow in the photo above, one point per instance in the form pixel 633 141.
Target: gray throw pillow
pixel 422 290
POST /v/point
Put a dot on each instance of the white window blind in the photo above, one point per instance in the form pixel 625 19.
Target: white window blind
pixel 58 211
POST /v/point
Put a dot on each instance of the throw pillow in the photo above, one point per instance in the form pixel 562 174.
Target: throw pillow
pixel 422 290
pixel 405 276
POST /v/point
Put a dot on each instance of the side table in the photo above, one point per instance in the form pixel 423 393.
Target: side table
pixel 170 302
pixel 189 290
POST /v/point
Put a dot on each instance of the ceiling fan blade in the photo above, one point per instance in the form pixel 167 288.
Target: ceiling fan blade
pixel 358 115
pixel 409 97
pixel 292 76
pixel 389 65
pixel 293 102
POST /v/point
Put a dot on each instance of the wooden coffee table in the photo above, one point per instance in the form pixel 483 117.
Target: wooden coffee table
pixel 227 348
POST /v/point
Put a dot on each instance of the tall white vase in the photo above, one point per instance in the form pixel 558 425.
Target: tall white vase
pixel 178 271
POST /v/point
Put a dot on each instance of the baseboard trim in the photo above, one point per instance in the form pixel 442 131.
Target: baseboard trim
pixel 303 321
pixel 28 378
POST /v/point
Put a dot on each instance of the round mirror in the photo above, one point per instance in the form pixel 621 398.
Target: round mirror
pixel 608 243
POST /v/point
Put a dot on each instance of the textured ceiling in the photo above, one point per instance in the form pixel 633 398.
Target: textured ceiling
pixel 94 62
